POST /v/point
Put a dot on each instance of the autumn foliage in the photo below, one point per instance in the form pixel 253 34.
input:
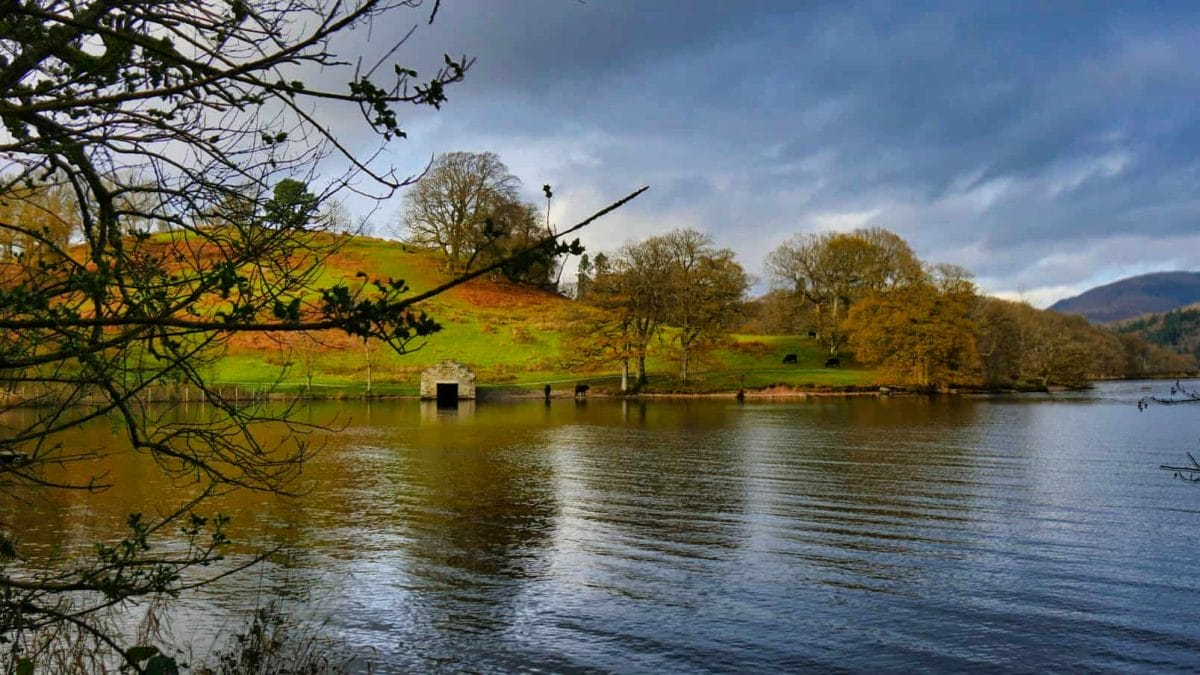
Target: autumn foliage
pixel 927 326
pixel 922 333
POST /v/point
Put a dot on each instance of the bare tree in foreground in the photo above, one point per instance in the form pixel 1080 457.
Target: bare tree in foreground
pixel 196 165
pixel 1180 394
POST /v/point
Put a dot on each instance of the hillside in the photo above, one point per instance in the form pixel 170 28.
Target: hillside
pixel 1177 330
pixel 1133 297
pixel 509 334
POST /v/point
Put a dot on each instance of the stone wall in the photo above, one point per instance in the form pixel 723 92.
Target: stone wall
pixel 448 371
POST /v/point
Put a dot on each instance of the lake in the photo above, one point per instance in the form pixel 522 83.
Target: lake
pixel 1025 533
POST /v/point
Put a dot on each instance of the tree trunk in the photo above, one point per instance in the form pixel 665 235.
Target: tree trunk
pixel 624 376
pixel 833 328
pixel 683 366
pixel 367 347
pixel 642 379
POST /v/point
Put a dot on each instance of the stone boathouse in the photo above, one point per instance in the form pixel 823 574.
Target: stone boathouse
pixel 447 382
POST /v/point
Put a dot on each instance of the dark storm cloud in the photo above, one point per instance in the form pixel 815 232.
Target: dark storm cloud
pixel 1024 141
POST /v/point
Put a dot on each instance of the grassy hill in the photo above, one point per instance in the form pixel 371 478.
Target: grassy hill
pixel 1134 297
pixel 510 335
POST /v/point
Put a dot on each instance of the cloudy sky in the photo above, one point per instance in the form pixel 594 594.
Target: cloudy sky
pixel 1048 147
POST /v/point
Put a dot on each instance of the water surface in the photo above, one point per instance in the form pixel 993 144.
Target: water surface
pixel 1013 533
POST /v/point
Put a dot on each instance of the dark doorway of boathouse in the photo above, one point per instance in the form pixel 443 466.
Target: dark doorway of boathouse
pixel 447 394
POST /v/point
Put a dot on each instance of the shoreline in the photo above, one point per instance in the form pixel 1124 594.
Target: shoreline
pixel 517 392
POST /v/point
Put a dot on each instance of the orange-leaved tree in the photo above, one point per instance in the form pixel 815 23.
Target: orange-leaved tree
pixel 921 333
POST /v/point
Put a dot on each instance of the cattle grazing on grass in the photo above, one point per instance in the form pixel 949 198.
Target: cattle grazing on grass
pixel 789 358
pixel 833 362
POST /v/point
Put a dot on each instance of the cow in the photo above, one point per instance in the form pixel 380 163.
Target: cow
pixel 789 358
pixel 833 362
pixel 546 392
pixel 581 390
pixel 812 335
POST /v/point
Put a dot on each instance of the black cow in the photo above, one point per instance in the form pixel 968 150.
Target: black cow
pixel 581 390
pixel 789 358
pixel 812 335
pixel 833 362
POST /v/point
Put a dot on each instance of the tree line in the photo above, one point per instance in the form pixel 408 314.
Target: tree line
pixel 1178 329
pixel 927 325
pixel 863 293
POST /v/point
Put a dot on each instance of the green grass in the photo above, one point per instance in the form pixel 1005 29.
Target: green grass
pixel 756 362
pixel 511 337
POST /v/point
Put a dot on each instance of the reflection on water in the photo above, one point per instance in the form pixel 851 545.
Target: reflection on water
pixel 1031 533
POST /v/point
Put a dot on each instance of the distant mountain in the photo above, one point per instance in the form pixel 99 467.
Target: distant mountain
pixel 1133 297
